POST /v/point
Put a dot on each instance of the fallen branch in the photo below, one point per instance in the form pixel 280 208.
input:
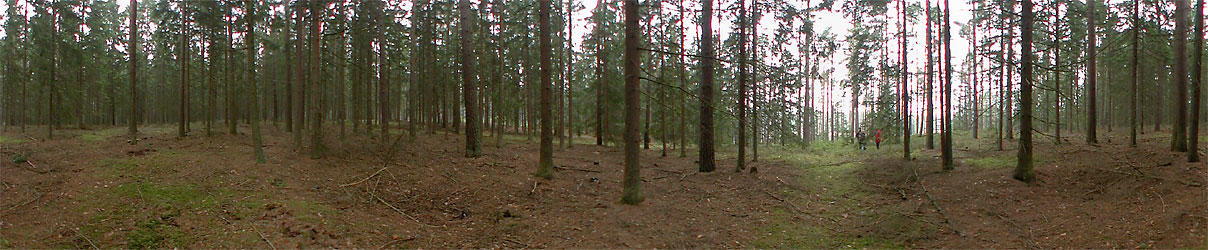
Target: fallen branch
pixel 1031 242
pixel 11 209
pixel 391 243
pixel 34 168
pixel 400 211
pixel 86 238
pixel 270 243
pixel 797 211
pixel 1188 183
pixel 937 205
pixel 576 169
pixel 366 178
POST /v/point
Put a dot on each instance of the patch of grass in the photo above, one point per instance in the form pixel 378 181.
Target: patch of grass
pixel 102 135
pixel 140 166
pixel 176 196
pixel 992 162
pixel 154 234
pixel 10 140
pixel 309 211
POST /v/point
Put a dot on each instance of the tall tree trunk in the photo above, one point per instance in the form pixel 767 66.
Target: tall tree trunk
pixel 384 72
pixel 601 77
pixel 742 86
pixel 184 69
pixel 903 92
pixel 570 63
pixel 1197 68
pixel 1091 71
pixel 287 49
pixel 300 75
pixel 632 192
pixel 1179 133
pixel 317 9
pixel 1023 169
pixel 930 76
pixel 341 109
pixel 706 87
pixel 753 24
pixel 565 90
pixel 54 74
pixel 133 44
pixel 254 110
pixel 1057 73
pixel 546 168
pixel 946 136
pixel 469 82
pixel 1136 65
pixel 683 106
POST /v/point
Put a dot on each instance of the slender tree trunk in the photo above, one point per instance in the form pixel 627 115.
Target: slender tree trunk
pixel 1179 133
pixel 1197 68
pixel 1091 71
pixel 601 77
pixel 946 136
pixel 546 168
pixel 254 110
pixel 133 44
pixel 469 82
pixel 706 88
pixel 1057 73
pixel 341 54
pixel 1136 34
pixel 742 86
pixel 632 192
pixel 930 76
pixel 903 92
pixel 184 69
pixel 300 73
pixel 384 72
pixel 753 24
pixel 683 106
pixel 317 9
pixel 1023 169
pixel 567 141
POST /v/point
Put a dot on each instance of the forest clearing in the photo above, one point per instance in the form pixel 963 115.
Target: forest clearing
pixel 802 124
pixel 201 193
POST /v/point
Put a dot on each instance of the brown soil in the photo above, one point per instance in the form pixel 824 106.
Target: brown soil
pixel 1105 196
pixel 93 189
pixel 204 192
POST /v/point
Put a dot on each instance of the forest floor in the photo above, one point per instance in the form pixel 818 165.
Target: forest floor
pixel 90 189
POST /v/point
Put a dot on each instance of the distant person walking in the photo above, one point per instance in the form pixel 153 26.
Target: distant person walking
pixel 860 137
pixel 878 136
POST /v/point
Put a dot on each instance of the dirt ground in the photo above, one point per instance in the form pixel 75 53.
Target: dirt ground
pixel 89 188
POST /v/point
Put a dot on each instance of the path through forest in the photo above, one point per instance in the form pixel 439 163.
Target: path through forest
pixel 91 189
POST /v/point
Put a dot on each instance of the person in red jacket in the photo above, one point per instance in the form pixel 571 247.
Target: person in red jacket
pixel 878 138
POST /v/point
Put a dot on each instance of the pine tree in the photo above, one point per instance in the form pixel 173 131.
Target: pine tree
pixel 546 161
pixel 1179 132
pixel 1197 68
pixel 469 82
pixel 133 43
pixel 1091 77
pixel 254 109
pixel 632 192
pixel 1023 169
pixel 706 87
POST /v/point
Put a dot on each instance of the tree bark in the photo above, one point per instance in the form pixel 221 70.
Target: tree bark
pixel 1023 169
pixel 134 54
pixel 469 82
pixel 1193 134
pixel 1091 74
pixel 546 161
pixel 1179 132
pixel 742 86
pixel 254 109
pixel 706 88
pixel 631 192
pixel 946 136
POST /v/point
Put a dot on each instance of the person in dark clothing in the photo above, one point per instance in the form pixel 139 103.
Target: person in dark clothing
pixel 860 137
